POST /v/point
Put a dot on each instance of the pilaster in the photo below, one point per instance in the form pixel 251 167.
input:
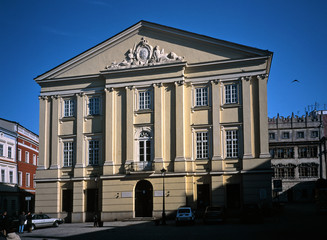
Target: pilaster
pixel 79 151
pixel 110 133
pixel 216 162
pixel 55 164
pixel 180 159
pixel 129 124
pixel 158 127
pixel 263 116
pixel 44 126
pixel 247 118
pixel 78 214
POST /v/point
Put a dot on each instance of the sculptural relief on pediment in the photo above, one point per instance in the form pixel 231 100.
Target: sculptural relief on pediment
pixel 143 54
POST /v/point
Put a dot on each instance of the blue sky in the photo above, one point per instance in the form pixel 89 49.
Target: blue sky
pixel 38 35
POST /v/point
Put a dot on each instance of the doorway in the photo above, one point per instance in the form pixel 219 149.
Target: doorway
pixel 203 196
pixel 233 196
pixel 143 199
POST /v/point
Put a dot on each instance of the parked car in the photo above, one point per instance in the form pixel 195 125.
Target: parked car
pixel 252 213
pixel 214 214
pixel 185 215
pixel 43 220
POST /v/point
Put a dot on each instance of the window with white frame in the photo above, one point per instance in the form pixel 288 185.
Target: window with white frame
pixel 28 179
pixel 69 108
pixel 68 154
pixel 27 156
pixel 11 177
pixel 1 149
pixel 19 155
pixel 285 135
pixel 20 179
pixel 3 175
pixel 144 99
pixel 202 146
pixel 314 134
pixel 34 159
pixel 272 136
pixel 9 152
pixel 232 143
pixel 231 95
pixel 94 105
pixel 94 152
pixel 201 96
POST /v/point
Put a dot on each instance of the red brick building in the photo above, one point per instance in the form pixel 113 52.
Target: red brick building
pixel 27 157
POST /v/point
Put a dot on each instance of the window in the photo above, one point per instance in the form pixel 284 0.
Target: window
pixel 201 96
pixel 19 155
pixel 300 134
pixel 34 183
pixel 145 146
pixel 94 106
pixel 232 144
pixel 34 159
pixel 3 175
pixel 28 179
pixel 285 135
pixel 69 108
pixel 93 152
pixel 308 170
pixel 9 152
pixel 314 134
pixel 287 152
pixel 284 171
pixel 11 177
pixel 144 100
pixel 271 136
pixel 202 145
pixel 20 179
pixel 1 150
pixel 231 94
pixel 68 154
pixel 27 156
pixel 308 152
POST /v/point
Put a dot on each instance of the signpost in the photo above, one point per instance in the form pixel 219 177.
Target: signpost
pixel 28 199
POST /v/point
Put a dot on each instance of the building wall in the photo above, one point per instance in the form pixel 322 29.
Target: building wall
pixel 302 133
pixel 170 124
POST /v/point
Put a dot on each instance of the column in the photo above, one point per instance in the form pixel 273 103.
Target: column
pixel 129 141
pixel 247 118
pixel 110 134
pixel 44 127
pixel 54 133
pixel 79 143
pixel 263 117
pixel 216 162
pixel 158 127
pixel 78 214
pixel 180 160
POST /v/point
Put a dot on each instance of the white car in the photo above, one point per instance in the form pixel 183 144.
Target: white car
pixel 185 215
pixel 43 220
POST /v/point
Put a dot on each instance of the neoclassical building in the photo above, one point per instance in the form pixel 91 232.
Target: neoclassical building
pixel 150 98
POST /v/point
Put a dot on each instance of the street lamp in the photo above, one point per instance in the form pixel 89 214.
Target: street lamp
pixel 163 171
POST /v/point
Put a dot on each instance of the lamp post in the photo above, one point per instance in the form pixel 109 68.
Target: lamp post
pixel 163 171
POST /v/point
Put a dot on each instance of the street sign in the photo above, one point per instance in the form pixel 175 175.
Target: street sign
pixel 28 198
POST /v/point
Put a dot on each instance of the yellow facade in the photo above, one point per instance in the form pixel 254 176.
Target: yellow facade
pixel 149 98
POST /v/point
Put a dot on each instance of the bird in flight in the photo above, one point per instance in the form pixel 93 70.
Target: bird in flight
pixel 295 81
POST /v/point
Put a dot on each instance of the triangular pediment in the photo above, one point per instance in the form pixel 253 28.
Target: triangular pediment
pixel 148 44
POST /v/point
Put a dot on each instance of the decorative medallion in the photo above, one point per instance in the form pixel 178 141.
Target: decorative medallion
pixel 144 54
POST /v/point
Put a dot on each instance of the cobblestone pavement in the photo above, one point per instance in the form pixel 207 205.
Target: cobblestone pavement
pixel 296 221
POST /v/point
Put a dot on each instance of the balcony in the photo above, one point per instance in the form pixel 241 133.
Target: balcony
pixel 139 167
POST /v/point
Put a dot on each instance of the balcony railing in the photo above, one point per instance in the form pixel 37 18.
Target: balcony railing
pixel 139 166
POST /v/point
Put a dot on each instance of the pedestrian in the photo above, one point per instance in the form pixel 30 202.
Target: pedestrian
pixel 21 219
pixel 95 219
pixel 4 223
pixel 29 222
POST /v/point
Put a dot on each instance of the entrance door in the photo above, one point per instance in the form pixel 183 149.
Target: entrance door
pixel 203 196
pixel 143 199
pixel 233 195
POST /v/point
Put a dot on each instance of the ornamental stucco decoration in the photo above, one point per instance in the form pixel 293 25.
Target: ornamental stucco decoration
pixel 143 54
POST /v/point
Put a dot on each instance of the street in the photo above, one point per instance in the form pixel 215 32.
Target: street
pixel 296 221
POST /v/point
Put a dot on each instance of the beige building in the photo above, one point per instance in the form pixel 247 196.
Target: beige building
pixel 151 98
